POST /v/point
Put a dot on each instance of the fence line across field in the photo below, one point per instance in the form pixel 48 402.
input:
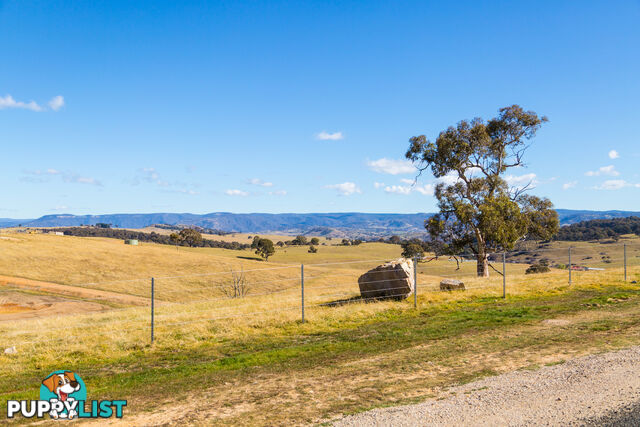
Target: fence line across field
pixel 311 294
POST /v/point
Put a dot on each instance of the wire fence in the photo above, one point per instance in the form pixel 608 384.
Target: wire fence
pixel 294 292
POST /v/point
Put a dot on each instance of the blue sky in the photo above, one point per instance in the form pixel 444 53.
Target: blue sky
pixel 110 107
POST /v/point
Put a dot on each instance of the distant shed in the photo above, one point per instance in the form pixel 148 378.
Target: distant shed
pixel 133 242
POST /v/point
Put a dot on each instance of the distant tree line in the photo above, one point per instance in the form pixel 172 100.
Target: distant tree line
pixel 202 230
pixel 596 229
pixel 187 238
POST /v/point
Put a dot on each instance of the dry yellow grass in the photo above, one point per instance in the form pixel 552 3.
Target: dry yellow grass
pixel 182 274
pixel 203 311
pixel 196 316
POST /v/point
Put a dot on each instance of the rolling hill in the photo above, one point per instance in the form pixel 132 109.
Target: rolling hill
pixel 342 224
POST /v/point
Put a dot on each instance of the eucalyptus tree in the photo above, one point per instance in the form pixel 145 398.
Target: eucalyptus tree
pixel 478 210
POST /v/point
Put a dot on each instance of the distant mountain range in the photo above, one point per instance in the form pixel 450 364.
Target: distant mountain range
pixel 347 224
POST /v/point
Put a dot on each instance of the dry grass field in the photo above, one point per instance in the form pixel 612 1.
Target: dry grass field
pixel 241 351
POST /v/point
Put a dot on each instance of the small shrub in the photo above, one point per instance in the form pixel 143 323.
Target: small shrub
pixel 237 287
pixel 537 268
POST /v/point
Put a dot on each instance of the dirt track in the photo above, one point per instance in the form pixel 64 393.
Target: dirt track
pixel 601 389
pixel 75 291
pixel 18 305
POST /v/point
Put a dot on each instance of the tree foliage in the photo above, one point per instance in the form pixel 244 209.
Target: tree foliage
pixel 265 248
pixel 191 237
pixel 117 233
pixel 412 250
pixel 600 229
pixel 479 211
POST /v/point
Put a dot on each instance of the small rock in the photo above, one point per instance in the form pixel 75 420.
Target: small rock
pixel 10 350
pixel 451 285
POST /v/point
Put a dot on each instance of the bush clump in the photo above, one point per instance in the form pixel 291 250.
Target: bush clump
pixel 537 268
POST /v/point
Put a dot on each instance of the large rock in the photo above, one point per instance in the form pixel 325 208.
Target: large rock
pixel 451 285
pixel 392 280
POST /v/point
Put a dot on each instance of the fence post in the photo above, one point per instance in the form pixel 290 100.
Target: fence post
pixel 625 262
pixel 415 282
pixel 152 306
pixel 569 264
pixel 504 274
pixel 302 289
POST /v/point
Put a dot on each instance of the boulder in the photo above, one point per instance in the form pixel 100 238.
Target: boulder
pixel 392 280
pixel 10 350
pixel 451 285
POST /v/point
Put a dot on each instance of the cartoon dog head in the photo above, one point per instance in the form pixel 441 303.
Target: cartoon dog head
pixel 62 384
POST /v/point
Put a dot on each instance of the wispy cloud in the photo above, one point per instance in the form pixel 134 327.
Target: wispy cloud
pixel 69 177
pixel 568 185
pixel 152 176
pixel 398 189
pixel 8 102
pixel 257 181
pixel 615 184
pixel 329 136
pixel 149 175
pixel 521 180
pixel 278 193
pixel 391 166
pixel 604 170
pixel 345 189
pixel 378 185
pixel 56 103
pixel 613 154
pixel 234 192
pixel 405 190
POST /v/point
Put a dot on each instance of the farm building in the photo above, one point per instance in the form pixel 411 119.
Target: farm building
pixel 133 242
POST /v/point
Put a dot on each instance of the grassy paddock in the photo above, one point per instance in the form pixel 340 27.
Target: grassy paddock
pixel 244 352
pixel 361 350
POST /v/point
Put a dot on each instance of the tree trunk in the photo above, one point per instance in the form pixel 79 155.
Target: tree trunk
pixel 482 256
pixel 483 265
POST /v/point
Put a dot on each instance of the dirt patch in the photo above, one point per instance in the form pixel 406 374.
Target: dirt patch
pixel 74 291
pixel 15 305
pixel 556 322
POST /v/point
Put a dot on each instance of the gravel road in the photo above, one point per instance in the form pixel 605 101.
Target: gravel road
pixel 602 389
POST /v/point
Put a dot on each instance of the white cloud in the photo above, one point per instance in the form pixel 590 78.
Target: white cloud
pixel 516 181
pixel 426 190
pixel 236 193
pixel 278 193
pixel 81 180
pixel 56 103
pixel 8 101
pixel 408 181
pixel 66 177
pixel 613 154
pixel 187 191
pixel 327 136
pixel 391 166
pixel 568 185
pixel 604 170
pixel 378 184
pixel 256 181
pixel 614 184
pixel 398 189
pixel 345 189
pixel 449 179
